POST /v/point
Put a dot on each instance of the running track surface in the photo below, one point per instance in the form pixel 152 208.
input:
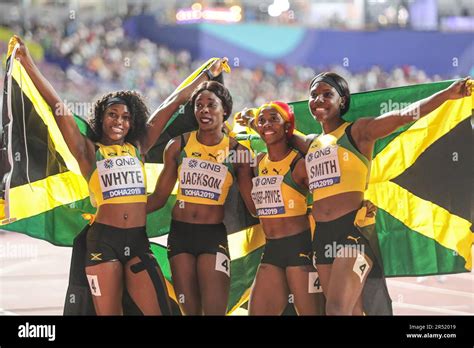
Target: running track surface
pixel 34 275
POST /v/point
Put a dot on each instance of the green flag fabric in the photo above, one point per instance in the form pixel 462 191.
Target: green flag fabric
pixel 421 182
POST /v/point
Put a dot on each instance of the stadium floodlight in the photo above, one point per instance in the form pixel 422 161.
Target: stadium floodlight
pixel 278 7
pixel 283 5
pixel 273 10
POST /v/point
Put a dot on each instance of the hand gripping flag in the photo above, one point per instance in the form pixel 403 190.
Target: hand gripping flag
pixel 421 181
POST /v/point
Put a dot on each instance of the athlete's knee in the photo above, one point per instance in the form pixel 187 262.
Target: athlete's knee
pixel 216 304
pixel 358 309
pixel 215 310
pixel 189 305
pixel 338 307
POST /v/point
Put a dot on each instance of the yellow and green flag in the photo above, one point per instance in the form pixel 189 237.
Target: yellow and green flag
pixel 421 181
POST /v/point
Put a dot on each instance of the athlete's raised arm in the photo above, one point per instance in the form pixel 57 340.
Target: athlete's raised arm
pixel 367 130
pixel 81 147
pixel 160 117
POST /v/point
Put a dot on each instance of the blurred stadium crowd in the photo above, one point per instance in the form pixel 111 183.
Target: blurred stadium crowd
pixel 85 61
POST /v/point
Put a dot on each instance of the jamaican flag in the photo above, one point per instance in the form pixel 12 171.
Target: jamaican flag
pixel 421 181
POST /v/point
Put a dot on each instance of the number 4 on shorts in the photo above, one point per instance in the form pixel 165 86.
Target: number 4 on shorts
pixel 314 284
pixel 223 263
pixel 93 285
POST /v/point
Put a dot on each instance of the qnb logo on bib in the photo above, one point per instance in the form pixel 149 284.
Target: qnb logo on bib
pixel 267 195
pixel 121 176
pixel 322 167
pixel 204 179
pixel 108 163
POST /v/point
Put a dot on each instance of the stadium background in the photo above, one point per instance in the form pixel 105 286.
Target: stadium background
pixel 87 48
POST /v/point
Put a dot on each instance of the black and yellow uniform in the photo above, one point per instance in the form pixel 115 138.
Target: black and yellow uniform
pixel 332 237
pixel 118 178
pixel 289 251
pixel 107 243
pixel 205 176
pixel 205 173
pixel 197 239
pixel 276 195
pixel 274 192
pixel 334 165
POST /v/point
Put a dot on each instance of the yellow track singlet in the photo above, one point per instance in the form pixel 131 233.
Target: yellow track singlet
pixel 204 173
pixel 334 165
pixel 274 192
pixel 119 176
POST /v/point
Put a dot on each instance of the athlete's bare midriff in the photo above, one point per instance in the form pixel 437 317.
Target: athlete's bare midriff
pixel 333 207
pixel 194 213
pixel 123 215
pixel 275 228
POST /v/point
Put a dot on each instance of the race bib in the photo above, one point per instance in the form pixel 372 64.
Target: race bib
pixel 361 266
pixel 314 283
pixel 93 285
pixel 223 263
pixel 204 179
pixel 267 195
pixel 121 176
pixel 322 167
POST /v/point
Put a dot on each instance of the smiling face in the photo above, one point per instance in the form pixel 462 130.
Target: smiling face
pixel 116 123
pixel 324 102
pixel 209 111
pixel 271 126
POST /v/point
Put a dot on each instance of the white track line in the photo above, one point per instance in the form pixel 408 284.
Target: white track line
pixel 426 288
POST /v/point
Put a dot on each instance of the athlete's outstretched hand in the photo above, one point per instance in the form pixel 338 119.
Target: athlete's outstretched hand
pixel 371 208
pixel 245 117
pixel 22 54
pixel 219 65
pixel 460 89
